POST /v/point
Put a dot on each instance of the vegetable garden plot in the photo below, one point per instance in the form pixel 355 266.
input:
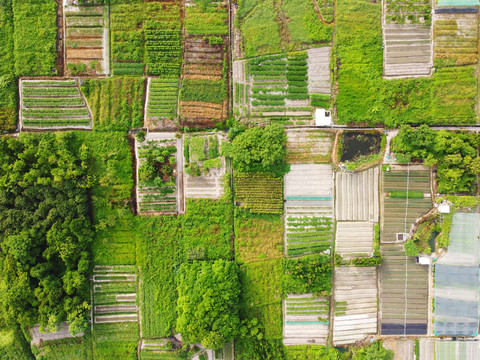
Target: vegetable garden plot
pixel 204 167
pixel 309 146
pixel 206 17
pixel 273 87
pixel 357 195
pixel 114 294
pixel 308 209
pixel 87 37
pixel 407 50
pixel 319 78
pixel 159 175
pixel 203 98
pixel 260 193
pixel 404 293
pixel 455 39
pixel 354 238
pixel 52 104
pixel 400 212
pixel 305 319
pixel 355 315
pixel 407 38
pixel 457 280
pixel 146 37
pixel 162 102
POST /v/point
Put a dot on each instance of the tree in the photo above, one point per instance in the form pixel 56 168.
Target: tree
pixel 373 352
pixel 45 230
pixel 208 304
pixel 259 150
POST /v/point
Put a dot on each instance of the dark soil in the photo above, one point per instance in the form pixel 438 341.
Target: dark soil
pixel 356 144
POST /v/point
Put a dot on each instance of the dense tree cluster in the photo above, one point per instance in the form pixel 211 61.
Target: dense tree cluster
pixel 45 231
pixel 259 150
pixel 208 302
pixel 453 153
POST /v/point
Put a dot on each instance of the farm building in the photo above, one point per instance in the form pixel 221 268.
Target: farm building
pixel 457 280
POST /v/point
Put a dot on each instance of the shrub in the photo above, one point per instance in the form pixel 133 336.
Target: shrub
pixel 411 248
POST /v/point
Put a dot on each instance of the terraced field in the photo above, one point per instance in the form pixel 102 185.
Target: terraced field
pixel 400 213
pixel 305 320
pixel 308 209
pixel 408 50
pixel 53 104
pixel 86 40
pixel 357 195
pixel 355 304
pixel 354 238
pixel 115 294
pixel 456 38
pixel 403 293
pixel 309 146
pixel 165 197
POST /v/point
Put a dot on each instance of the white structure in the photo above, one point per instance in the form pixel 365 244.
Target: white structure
pixel 323 117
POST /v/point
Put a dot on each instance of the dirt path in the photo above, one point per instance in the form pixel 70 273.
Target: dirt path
pixel 319 13
pixel 282 20
pixel 60 60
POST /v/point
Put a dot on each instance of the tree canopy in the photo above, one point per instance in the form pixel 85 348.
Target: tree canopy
pixel 454 154
pixel 208 304
pixel 259 150
pixel 45 231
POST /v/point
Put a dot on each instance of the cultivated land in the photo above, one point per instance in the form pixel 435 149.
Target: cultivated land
pixel 355 314
pixel 176 169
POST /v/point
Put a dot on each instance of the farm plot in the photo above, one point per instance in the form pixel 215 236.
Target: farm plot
pixel 203 98
pixel 146 37
pixel 309 146
pixel 274 88
pixel 204 167
pixel 308 209
pixel 53 104
pixel 86 35
pixel 115 294
pixel 305 319
pixel 357 195
pixel 159 175
pixel 355 315
pixel 455 39
pixel 449 349
pixel 354 238
pixel 162 102
pixel 404 293
pixel 116 103
pixel 206 17
pixel 260 193
pixel 400 211
pixel 319 78
pixel 407 38
pixel 161 349
pixel 407 51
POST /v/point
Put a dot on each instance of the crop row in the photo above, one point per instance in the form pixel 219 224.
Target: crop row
pixel 260 193
pixel 51 91
pixel 53 102
pixel 56 122
pixel 48 83
pixel 128 68
pixel 162 98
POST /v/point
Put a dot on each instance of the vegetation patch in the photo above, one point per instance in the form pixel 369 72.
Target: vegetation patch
pixel 116 103
pixel 308 274
pixel 260 193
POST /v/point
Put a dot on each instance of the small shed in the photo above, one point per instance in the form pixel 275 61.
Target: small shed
pixel 323 117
